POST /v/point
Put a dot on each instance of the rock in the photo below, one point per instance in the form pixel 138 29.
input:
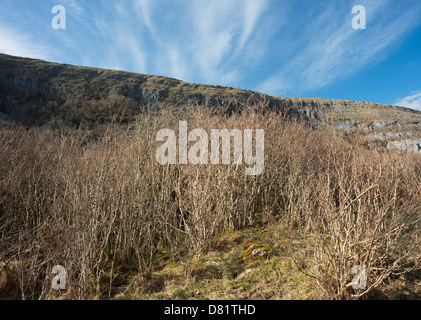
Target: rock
pixel 382 124
pixel 406 145
pixel 162 259
pixel 286 264
pixel 389 135
pixel 347 125
pixel 255 250
pixel 98 122
pixel 250 267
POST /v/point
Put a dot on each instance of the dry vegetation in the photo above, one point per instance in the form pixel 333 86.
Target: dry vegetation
pixel 97 202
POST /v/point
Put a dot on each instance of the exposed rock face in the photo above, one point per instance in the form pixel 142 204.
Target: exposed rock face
pixel 407 145
pixel 390 135
pixel 36 91
pixel 52 89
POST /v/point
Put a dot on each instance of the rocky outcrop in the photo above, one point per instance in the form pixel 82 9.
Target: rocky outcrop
pixel 390 135
pixel 406 145
pixel 36 91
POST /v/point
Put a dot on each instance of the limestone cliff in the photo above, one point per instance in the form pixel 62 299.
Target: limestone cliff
pixel 35 91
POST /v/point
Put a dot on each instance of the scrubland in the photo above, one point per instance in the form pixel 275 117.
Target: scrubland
pixel 124 227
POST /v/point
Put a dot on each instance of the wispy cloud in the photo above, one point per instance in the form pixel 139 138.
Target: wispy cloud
pixel 219 42
pixel 252 11
pixel 75 6
pixel 276 85
pixel 288 47
pixel 334 50
pixel 412 101
pixel 120 39
pixel 18 44
pixel 202 44
pixel 143 9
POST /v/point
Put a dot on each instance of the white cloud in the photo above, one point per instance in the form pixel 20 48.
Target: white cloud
pixel 135 51
pixel 122 45
pixel 412 101
pixel 75 6
pixel 332 50
pixel 275 85
pixel 298 47
pixel 143 9
pixel 223 34
pixel 252 12
pixel 176 64
pixel 18 44
pixel 198 40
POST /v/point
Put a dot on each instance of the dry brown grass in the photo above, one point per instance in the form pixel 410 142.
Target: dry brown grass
pixel 97 201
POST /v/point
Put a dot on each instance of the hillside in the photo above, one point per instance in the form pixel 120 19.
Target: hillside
pixel 81 190
pixel 51 89
pixel 57 84
pixel 35 91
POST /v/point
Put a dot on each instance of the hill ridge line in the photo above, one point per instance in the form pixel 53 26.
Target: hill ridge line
pixel 52 88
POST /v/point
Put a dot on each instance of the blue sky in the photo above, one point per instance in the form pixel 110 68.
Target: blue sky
pixel 294 48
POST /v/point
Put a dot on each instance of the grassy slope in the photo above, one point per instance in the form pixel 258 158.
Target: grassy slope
pixel 223 274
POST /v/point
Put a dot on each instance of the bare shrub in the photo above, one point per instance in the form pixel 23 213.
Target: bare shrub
pixel 96 201
pixel 365 212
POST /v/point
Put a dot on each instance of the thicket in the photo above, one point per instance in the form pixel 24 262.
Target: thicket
pixel 93 200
